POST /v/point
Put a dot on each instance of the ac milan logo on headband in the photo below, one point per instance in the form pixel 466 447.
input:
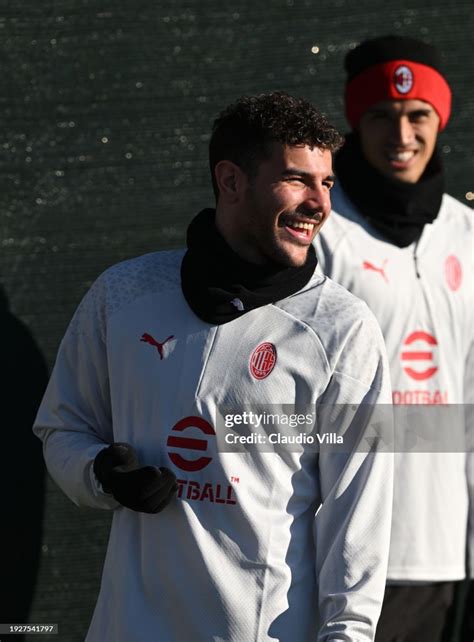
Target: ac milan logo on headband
pixel 403 79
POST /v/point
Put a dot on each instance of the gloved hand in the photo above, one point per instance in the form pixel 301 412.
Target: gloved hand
pixel 147 490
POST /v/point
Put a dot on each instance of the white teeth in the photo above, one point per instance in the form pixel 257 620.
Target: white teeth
pixel 301 226
pixel 403 157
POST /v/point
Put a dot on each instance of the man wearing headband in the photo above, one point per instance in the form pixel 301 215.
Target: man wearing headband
pixel 396 240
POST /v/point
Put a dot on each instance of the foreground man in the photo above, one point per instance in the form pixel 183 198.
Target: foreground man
pixel 249 545
pixel 398 242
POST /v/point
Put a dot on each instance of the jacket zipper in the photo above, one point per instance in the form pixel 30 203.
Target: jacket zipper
pixel 415 259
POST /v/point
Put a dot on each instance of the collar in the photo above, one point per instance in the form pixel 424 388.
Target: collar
pixel 219 286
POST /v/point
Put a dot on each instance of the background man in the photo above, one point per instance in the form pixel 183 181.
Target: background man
pixel 402 245
pixel 254 545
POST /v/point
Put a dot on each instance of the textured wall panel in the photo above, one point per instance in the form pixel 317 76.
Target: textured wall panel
pixel 105 113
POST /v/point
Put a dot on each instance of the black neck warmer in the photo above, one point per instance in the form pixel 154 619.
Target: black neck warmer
pixel 398 210
pixel 219 286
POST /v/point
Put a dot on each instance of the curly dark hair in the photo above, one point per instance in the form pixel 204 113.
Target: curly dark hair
pixel 244 132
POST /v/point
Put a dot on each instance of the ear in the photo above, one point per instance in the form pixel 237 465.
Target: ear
pixel 231 181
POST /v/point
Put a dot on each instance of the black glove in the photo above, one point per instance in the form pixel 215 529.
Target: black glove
pixel 147 490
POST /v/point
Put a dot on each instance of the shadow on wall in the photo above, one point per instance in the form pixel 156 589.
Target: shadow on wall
pixel 22 472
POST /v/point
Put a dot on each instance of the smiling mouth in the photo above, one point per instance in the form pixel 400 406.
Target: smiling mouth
pixel 402 158
pixel 299 229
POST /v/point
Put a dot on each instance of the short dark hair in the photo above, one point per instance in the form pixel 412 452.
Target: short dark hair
pixel 245 131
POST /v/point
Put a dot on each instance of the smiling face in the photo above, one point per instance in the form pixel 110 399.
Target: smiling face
pixel 398 137
pixel 280 211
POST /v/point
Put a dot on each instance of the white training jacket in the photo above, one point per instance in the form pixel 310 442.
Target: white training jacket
pixel 423 298
pixel 289 546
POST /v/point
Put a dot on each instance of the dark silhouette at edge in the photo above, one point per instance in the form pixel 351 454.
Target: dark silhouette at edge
pixel 22 470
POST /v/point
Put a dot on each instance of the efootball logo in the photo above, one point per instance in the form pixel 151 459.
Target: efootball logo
pixel 419 355
pixel 403 79
pixel 184 450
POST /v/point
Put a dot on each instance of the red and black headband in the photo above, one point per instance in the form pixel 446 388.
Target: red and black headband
pixel 394 68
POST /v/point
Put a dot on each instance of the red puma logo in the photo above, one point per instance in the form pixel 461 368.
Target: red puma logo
pixel 367 265
pixel 159 346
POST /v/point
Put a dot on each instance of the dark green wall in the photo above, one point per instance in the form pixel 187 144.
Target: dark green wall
pixel 105 115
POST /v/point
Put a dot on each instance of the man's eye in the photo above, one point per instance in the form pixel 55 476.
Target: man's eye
pixel 328 184
pixel 418 118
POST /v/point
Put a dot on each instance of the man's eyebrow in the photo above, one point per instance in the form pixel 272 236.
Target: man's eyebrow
pixel 292 171
pixel 387 112
pixel 421 110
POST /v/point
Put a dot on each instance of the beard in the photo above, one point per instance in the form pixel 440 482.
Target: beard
pixel 267 237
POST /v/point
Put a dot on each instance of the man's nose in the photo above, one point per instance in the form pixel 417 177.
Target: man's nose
pixel 402 131
pixel 317 199
pixel 316 204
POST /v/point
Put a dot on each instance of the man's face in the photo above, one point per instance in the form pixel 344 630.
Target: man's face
pixel 398 137
pixel 285 205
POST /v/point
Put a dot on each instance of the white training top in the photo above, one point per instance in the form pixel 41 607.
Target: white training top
pixel 422 296
pixel 289 546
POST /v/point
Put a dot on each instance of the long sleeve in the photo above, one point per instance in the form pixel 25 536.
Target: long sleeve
pixel 469 423
pixel 352 527
pixel 74 419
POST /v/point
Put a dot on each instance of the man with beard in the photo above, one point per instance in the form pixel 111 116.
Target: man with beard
pixel 210 542
pixel 398 242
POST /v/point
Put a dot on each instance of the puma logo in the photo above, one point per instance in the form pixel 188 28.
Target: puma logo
pixel 147 338
pixel 367 265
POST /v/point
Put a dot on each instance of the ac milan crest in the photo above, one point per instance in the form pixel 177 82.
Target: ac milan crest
pixel 263 360
pixel 403 79
pixel 453 272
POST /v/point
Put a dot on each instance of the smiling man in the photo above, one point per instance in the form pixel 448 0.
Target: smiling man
pixel 398 242
pixel 398 137
pixel 208 543
pixel 284 206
